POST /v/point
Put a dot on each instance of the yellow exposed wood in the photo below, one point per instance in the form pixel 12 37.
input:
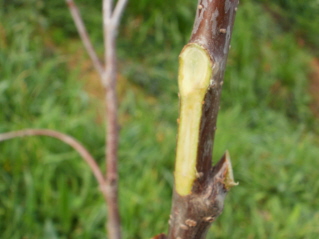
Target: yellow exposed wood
pixel 195 71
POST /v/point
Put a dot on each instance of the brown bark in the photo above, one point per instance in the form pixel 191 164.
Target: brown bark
pixel 191 215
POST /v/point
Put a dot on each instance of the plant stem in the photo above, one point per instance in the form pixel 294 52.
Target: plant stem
pixel 108 75
pixel 88 158
pixel 112 132
pixel 84 36
pixel 200 188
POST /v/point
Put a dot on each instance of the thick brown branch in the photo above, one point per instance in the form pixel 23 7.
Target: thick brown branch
pixel 199 201
pixel 85 37
pixel 212 30
pixel 88 158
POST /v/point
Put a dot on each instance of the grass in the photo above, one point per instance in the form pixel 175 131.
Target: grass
pixel 46 191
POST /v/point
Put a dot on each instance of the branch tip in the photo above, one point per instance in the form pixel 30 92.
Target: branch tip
pixel 118 11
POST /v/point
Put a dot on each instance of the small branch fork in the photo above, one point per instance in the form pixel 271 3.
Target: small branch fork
pixel 108 75
pixel 111 19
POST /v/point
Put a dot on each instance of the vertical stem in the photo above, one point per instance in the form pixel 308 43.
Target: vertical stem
pixel 201 188
pixel 111 192
pixel 111 18
pixel 112 144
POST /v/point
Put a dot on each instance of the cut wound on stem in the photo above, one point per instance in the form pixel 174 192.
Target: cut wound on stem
pixel 195 73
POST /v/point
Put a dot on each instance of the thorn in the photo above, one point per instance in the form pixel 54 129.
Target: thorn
pixel 221 83
pixel 178 121
pixel 229 46
pixel 223 170
pixel 191 223
pixel 222 30
pixel 200 6
pixel 236 9
pixel 230 176
pixel 203 102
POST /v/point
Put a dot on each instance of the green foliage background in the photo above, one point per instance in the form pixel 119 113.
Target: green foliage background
pixel 46 191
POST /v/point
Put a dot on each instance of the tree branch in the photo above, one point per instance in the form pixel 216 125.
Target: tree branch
pixel 108 76
pixel 118 11
pixel 112 134
pixel 212 30
pixel 85 37
pixel 88 158
pixel 200 188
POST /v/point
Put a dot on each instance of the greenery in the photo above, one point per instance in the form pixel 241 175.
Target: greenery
pixel 47 81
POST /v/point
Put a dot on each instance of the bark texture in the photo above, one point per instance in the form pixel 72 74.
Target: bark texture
pixel 192 214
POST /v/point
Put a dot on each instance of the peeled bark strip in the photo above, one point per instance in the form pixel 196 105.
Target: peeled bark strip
pixel 200 188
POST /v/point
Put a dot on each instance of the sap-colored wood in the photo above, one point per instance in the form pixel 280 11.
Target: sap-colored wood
pixel 194 75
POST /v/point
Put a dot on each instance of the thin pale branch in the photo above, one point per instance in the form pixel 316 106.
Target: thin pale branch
pixel 107 11
pixel 88 158
pixel 108 75
pixel 118 11
pixel 108 34
pixel 109 81
pixel 85 37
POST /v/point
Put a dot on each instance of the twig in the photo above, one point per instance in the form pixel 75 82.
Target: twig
pixel 85 37
pixel 108 77
pixel 109 42
pixel 88 158
pixel 119 8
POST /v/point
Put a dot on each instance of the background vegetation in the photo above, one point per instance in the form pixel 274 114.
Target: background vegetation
pixel 47 81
